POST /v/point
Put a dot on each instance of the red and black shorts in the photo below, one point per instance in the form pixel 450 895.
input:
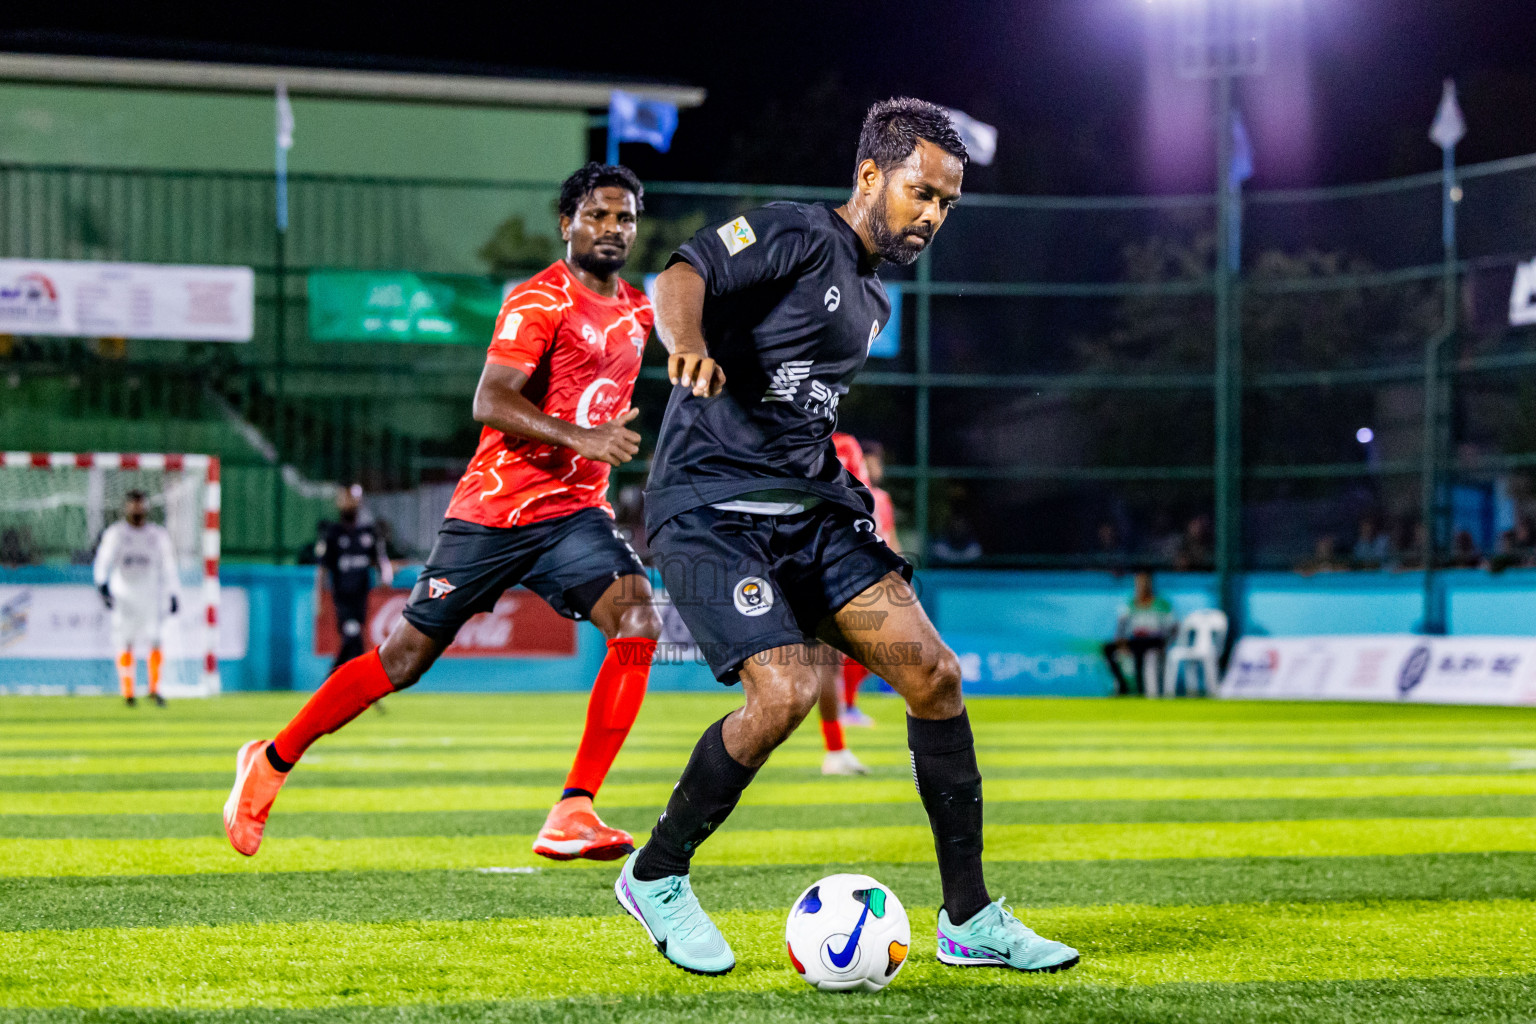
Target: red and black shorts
pixel 569 562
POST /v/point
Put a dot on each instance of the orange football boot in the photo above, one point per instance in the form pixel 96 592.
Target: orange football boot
pixel 250 801
pixel 573 830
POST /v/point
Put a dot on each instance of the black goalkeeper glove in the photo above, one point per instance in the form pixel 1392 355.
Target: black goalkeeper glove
pixel 174 605
pixel 106 596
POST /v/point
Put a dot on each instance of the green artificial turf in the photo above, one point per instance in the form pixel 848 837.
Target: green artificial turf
pixel 1212 861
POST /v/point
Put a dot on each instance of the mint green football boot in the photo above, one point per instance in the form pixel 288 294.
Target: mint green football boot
pixel 995 938
pixel 670 914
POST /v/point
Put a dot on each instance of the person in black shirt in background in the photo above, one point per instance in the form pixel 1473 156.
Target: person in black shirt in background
pixel 766 543
pixel 346 552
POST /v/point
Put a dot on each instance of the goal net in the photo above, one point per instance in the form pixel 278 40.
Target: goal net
pixel 54 631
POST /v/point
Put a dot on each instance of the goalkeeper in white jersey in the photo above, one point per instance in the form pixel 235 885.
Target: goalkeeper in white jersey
pixel 136 574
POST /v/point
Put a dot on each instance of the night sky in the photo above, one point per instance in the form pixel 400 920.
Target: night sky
pixel 1352 89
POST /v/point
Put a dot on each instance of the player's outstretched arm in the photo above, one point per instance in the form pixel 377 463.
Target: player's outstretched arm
pixel 105 562
pixel 386 567
pixel 170 576
pixel 680 326
pixel 500 405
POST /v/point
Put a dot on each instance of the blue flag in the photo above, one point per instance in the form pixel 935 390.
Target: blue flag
pixel 1242 152
pixel 284 144
pixel 632 118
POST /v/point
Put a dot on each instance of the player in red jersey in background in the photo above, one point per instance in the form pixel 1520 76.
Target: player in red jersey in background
pixel 532 509
pixel 867 462
pixel 835 706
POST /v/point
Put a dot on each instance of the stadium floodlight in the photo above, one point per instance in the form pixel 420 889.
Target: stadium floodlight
pixel 1220 40
pixel 1365 435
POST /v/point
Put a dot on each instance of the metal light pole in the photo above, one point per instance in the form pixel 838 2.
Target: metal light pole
pixel 1447 131
pixel 284 142
pixel 1228 383
pixel 1221 40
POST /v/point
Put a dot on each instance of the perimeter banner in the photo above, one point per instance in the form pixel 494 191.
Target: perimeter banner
pixel 400 307
pixel 67 622
pixel 1397 668
pixel 127 300
pixel 521 625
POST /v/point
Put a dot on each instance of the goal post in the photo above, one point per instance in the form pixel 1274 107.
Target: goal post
pixel 53 508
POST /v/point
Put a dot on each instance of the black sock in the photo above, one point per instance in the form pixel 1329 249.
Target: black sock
pixel 275 761
pixel 702 799
pixel 570 792
pixel 944 770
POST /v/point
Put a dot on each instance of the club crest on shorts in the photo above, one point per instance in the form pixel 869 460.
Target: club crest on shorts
pixel 752 596
pixel 437 588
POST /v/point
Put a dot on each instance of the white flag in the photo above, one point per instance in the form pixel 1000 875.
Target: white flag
pixel 1449 127
pixel 1522 298
pixel 284 118
pixel 979 137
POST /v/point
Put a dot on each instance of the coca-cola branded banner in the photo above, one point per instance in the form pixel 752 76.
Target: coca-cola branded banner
pixel 519 626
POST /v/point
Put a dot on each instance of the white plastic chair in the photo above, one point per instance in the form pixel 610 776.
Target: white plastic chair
pixel 1152 672
pixel 1199 642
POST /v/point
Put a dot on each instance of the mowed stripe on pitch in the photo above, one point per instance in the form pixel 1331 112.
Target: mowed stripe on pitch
pixel 141 901
pixel 192 739
pixel 1316 838
pixel 299 964
pixel 801 755
pixel 831 793
pixel 385 824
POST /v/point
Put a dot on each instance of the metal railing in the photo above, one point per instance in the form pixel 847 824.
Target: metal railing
pixel 1057 369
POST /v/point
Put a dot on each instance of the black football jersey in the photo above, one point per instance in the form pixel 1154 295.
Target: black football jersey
pixel 791 306
pixel 349 554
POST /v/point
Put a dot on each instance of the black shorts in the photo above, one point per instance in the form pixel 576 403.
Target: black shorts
pixel 569 562
pixel 747 583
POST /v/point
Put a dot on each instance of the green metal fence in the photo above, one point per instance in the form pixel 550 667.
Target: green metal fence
pixel 1055 401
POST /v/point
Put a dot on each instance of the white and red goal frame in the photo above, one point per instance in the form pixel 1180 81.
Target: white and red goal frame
pixel 208 465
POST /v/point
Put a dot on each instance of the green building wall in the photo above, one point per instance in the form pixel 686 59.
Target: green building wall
pixel 176 130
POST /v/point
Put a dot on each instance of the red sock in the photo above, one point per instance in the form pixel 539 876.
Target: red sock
pixel 853 675
pixel 832 735
pixel 617 695
pixel 345 695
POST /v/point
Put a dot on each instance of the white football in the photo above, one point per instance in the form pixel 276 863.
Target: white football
pixel 848 933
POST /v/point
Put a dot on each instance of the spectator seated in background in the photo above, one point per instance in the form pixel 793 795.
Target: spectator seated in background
pixel 1517 547
pixel 1325 558
pixel 1464 553
pixel 1194 552
pixel 1110 549
pixel 1145 625
pixel 1410 545
pixel 1373 548
pixel 958 544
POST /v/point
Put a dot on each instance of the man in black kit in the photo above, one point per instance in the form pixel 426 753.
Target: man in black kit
pixel 347 553
pixel 766 544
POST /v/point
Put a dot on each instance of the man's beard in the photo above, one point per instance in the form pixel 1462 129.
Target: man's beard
pixel 600 266
pixel 888 245
pixel 136 519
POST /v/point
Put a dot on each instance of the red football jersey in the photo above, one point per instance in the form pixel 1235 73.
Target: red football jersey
pixel 851 454
pixel 581 353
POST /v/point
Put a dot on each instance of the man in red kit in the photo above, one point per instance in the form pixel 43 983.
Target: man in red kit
pixel 530 509
pixel 868 464
pixel 839 674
